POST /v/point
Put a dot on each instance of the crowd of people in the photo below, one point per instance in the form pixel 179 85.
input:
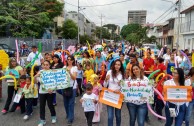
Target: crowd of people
pixel 90 69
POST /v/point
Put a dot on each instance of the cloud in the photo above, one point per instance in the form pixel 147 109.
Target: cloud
pixel 118 13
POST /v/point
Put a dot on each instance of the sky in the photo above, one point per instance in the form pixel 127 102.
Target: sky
pixel 118 13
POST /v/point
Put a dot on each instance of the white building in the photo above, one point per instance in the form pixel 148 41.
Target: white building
pixel 187 28
pixel 85 26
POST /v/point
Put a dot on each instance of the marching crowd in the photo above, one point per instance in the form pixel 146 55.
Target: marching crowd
pixel 90 69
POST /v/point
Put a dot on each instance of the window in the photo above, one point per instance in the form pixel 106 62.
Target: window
pixel 189 41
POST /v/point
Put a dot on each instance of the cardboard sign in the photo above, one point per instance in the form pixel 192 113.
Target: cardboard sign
pixel 177 93
pixel 137 92
pixel 55 79
pixel 109 97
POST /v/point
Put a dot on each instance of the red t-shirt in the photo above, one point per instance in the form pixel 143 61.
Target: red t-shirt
pixel 148 63
pixel 22 84
pixel 160 67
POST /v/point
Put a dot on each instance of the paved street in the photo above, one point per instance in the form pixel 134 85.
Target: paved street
pixel 16 119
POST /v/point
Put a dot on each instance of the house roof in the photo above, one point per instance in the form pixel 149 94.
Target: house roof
pixel 188 9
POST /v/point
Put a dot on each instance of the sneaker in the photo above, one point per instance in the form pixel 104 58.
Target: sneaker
pixel 69 123
pixel 26 117
pixel 4 111
pixel 53 119
pixel 42 123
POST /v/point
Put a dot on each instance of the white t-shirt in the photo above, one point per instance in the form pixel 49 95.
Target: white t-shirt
pixel 188 82
pixel 172 83
pixel 114 84
pixel 180 60
pixel 32 55
pixel 166 57
pixel 73 83
pixel 88 103
pixel 145 81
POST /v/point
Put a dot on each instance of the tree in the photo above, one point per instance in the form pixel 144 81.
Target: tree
pixel 134 33
pixel 130 28
pixel 105 33
pixel 84 38
pixel 69 29
pixel 22 18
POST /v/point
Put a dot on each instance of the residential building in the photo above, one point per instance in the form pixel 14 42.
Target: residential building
pixel 58 21
pixel 166 33
pixel 85 26
pixel 187 28
pixel 137 17
pixel 117 31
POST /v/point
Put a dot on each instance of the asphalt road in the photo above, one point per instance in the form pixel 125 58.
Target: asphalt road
pixel 16 119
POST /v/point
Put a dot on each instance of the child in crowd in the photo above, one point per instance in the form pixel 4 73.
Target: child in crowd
pixel 88 101
pixel 96 90
pixel 79 78
pixel 29 96
pixel 36 85
pixel 21 104
pixel 102 73
pixel 87 74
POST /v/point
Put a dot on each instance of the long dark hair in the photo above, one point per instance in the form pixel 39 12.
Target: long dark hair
pixel 181 76
pixel 133 75
pixel 57 56
pixel 87 54
pixel 114 72
pixel 72 58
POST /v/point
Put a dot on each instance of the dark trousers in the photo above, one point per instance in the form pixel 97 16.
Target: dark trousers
pixel 35 101
pixel 49 98
pixel 21 104
pixel 10 92
pixel 29 102
pixel 79 82
pixel 159 106
pixel 89 117
pixel 54 99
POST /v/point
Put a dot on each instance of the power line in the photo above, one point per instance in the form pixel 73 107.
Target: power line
pixel 165 16
pixel 163 13
pixel 107 4
pixel 71 4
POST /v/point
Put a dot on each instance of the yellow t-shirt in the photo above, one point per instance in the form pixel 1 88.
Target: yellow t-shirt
pixel 88 74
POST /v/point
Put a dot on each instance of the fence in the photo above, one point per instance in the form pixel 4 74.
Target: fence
pixel 47 44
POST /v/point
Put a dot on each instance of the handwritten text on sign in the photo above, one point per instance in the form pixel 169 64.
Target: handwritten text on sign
pixel 111 98
pixel 137 92
pixel 55 79
pixel 177 93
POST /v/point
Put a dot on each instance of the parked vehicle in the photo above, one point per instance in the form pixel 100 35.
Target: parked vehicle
pixel 7 49
pixel 153 48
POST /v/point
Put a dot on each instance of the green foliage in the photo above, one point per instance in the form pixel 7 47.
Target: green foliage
pixel 105 33
pixel 28 18
pixel 69 29
pixel 134 33
pixel 84 38
pixel 113 27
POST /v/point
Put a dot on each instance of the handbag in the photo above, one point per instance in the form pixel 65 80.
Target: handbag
pixel 68 92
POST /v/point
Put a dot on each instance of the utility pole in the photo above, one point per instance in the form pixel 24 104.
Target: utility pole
pixel 178 30
pixel 101 27
pixel 78 22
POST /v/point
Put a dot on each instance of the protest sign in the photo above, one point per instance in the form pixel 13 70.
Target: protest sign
pixel 177 93
pixel 140 92
pixel 18 95
pixel 109 97
pixel 55 79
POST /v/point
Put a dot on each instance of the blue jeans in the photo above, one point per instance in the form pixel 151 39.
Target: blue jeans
pixel 69 103
pixel 189 110
pixel 137 111
pixel 110 111
pixel 180 116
